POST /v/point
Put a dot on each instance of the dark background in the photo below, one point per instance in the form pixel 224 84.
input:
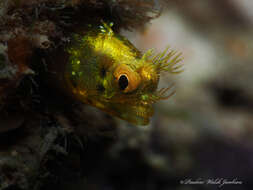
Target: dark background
pixel 203 132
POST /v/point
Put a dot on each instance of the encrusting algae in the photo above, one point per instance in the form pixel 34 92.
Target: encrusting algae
pixel 106 71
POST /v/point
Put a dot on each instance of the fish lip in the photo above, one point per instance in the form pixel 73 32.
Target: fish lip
pixel 135 112
pixel 143 111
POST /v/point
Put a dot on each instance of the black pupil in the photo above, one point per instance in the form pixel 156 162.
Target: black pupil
pixel 123 82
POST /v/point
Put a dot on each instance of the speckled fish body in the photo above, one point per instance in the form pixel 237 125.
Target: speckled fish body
pixel 106 71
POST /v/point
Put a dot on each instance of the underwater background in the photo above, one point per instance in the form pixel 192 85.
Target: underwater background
pixel 200 138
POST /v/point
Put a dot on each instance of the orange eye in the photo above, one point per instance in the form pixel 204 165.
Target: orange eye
pixel 127 79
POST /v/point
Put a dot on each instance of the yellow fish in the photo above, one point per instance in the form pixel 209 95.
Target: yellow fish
pixel 106 71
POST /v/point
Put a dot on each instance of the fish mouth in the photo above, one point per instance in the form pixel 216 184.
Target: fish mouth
pixel 137 114
pixel 135 111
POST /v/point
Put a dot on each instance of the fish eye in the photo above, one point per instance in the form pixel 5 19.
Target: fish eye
pixel 126 79
pixel 123 82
